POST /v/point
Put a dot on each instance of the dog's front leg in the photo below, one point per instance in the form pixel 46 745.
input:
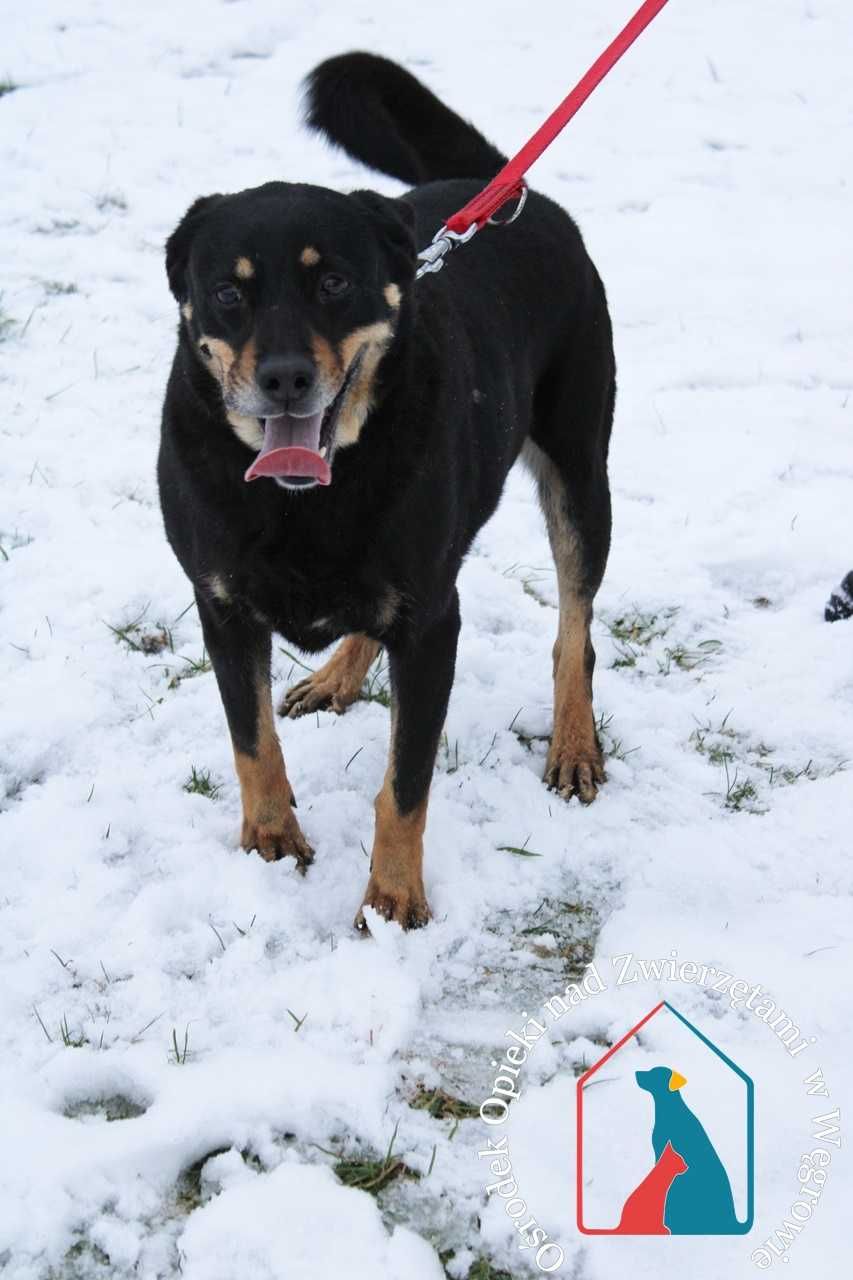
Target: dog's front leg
pixel 421 679
pixel 239 649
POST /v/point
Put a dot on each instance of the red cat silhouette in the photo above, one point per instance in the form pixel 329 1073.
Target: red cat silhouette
pixel 643 1211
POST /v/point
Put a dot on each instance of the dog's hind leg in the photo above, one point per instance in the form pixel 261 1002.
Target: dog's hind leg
pixel 336 684
pixel 422 669
pixel 568 456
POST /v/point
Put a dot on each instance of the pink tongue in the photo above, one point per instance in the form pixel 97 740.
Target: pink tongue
pixel 291 448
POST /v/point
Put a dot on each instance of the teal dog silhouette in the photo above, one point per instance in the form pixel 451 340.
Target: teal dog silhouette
pixel 700 1201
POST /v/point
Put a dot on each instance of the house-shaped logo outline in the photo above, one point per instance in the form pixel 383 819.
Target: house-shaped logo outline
pixel 742 1227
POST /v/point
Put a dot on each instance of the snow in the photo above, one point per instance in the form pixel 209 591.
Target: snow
pixel 709 177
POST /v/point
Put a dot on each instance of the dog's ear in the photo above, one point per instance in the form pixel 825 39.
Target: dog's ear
pixel 395 220
pixel 178 244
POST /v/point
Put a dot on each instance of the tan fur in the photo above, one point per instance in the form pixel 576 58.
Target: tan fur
pixel 309 257
pixel 247 429
pixel 219 357
pixel 333 366
pixel 243 269
pixel 233 370
pixel 244 365
pixel 574 758
pixel 375 338
pixel 187 311
pixel 392 295
pixel 396 888
pixel 269 823
pixel 574 765
pixel 327 363
pixel 335 685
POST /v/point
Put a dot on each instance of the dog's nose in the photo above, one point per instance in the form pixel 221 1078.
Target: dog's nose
pixel 286 379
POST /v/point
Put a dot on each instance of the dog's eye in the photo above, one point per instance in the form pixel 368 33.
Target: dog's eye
pixel 332 285
pixel 228 294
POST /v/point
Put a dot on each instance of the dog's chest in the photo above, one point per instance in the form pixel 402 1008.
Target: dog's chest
pixel 312 604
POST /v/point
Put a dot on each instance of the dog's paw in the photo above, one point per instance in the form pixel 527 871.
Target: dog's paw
pixel 318 692
pixel 276 840
pixel 575 772
pixel 407 906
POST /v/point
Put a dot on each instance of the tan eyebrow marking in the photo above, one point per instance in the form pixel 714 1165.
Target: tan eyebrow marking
pixel 309 257
pixel 243 268
pixel 392 295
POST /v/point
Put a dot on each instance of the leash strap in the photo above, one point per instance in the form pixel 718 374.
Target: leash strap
pixel 509 183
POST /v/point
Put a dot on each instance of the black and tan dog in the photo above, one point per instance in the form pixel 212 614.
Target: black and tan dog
pixel 334 435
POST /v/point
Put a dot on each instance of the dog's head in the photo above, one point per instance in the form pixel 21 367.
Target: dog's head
pixel 290 296
pixel 660 1081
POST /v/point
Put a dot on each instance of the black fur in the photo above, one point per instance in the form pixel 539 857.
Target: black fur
pixel 384 117
pixel 839 606
pixel 511 342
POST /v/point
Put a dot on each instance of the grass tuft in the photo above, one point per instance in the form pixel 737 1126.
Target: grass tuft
pixel 70 1040
pixel 371 1175
pixel 634 632
pixel 749 767
pixel 563 931
pixel 179 1054
pixel 741 793
pixel 199 783
pixel 482 1269
pixel 612 747
pixel 84 1260
pixel 194 667
pixel 637 627
pixel 135 640
pixel 688 659
pixel 520 850
pixel 442 1105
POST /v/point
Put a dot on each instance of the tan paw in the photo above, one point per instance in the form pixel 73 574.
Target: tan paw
pixel 406 905
pixel 573 771
pixel 278 839
pixel 318 692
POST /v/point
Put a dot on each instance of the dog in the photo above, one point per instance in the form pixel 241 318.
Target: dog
pixel 643 1211
pixel 700 1201
pixel 839 606
pixel 334 434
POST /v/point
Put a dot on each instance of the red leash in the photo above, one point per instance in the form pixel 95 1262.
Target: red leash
pixel 509 183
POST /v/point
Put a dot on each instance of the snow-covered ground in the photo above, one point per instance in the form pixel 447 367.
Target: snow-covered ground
pixel 192 1039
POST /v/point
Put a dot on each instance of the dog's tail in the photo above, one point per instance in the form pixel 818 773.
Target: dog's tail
pixel 381 115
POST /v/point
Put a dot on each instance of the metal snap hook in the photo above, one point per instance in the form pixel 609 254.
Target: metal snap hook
pixel 494 221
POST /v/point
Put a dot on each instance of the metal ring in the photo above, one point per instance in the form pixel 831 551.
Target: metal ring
pixel 505 222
